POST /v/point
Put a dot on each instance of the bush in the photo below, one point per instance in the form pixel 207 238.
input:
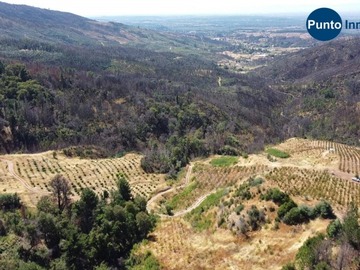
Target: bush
pixel 285 208
pixel 276 196
pixel 239 208
pixel 2 228
pixel 256 217
pixel 255 182
pixel 324 210
pixel 9 202
pixel 296 216
pixel 288 266
pixel 322 266
pixel 306 257
pixel 334 229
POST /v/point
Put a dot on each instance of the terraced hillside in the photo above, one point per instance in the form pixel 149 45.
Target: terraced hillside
pixel 29 175
pixel 197 233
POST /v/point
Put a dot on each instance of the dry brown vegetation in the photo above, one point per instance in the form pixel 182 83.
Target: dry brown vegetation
pixel 314 171
pixel 29 175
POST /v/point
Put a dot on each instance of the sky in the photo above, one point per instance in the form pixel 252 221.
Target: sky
pixel 92 8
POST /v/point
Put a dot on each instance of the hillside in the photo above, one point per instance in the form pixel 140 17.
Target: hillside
pixel 21 22
pixel 65 89
pixel 233 222
pixel 322 86
pixel 338 58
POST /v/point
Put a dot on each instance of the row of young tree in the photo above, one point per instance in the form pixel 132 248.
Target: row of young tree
pixel 91 233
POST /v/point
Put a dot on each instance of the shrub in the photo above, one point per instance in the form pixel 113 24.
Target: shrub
pixel 239 208
pixel 288 266
pixel 276 196
pixel 334 229
pixel 324 210
pixel 306 257
pixel 285 208
pixel 256 217
pixel 322 266
pixel 9 201
pixel 255 182
pixel 296 216
pixel 2 228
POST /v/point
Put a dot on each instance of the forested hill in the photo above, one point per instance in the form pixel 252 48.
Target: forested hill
pixel 167 103
pixel 25 22
pixel 69 81
pixel 323 88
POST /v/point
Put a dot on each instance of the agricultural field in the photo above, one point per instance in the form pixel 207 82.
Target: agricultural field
pixel 312 172
pixel 29 175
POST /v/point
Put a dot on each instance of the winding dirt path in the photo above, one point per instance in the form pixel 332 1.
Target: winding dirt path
pixel 23 182
pixel 151 202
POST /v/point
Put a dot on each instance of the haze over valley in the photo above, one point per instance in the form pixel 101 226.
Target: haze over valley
pixel 177 142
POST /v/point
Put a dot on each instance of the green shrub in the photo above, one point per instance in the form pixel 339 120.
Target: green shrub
pixel 239 208
pixel 256 217
pixel 306 257
pixel 288 266
pixel 334 229
pixel 255 182
pixel 285 208
pixel 324 210
pixel 9 201
pixel 276 196
pixel 296 216
pixel 322 266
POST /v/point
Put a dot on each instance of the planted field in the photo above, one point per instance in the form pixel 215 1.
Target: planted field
pixel 349 156
pixel 315 184
pixel 32 173
pixel 207 178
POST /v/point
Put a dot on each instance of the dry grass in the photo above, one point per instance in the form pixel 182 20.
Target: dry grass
pixel 36 171
pixel 314 171
pixel 177 246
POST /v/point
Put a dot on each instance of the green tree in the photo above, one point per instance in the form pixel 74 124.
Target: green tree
pixel 351 227
pixel 295 216
pixel 32 235
pixel 123 188
pixel 2 228
pixel 306 257
pixel 51 232
pixel 322 266
pixel 140 202
pixel 46 205
pixel 9 201
pixel 85 208
pixel 144 224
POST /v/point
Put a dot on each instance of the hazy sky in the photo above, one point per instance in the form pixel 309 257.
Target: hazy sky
pixel 177 7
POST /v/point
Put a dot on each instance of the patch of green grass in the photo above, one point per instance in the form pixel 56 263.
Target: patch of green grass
pixel 176 201
pixel 277 153
pixel 197 217
pixel 224 161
